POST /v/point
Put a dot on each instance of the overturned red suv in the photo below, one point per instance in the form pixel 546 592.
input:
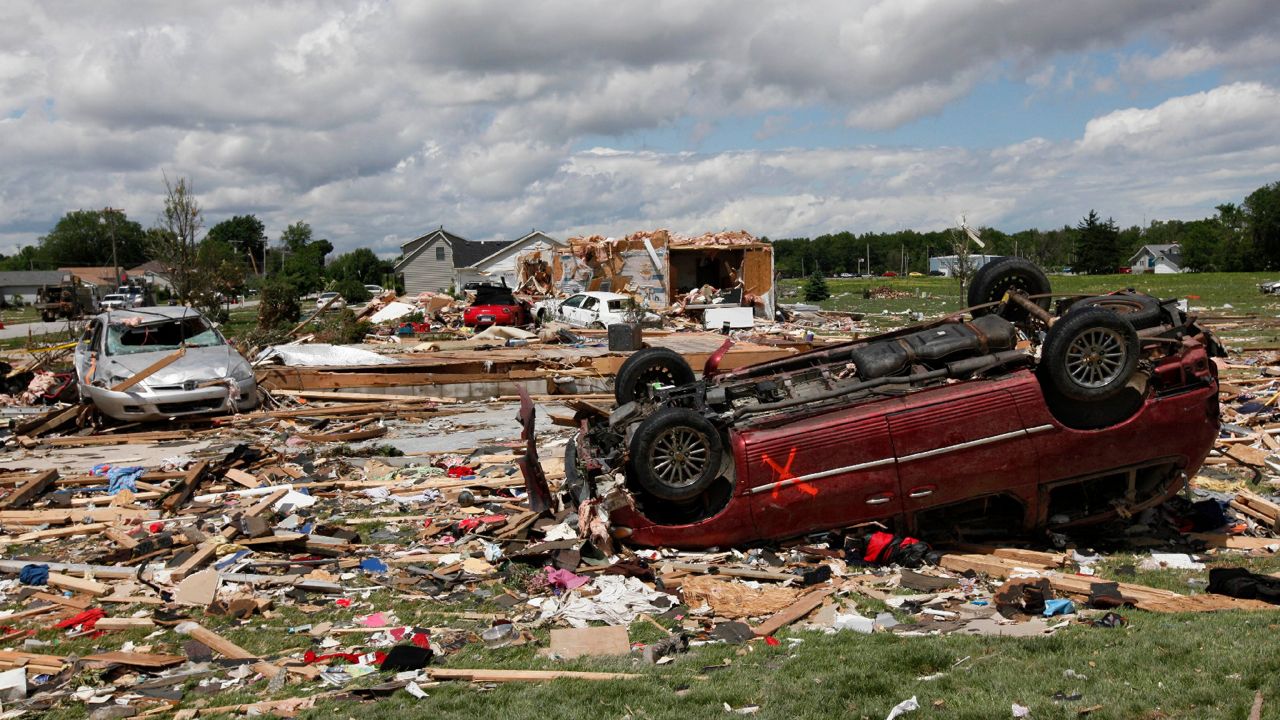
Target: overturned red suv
pixel 1008 416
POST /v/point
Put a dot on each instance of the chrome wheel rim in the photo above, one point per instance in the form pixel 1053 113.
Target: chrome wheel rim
pixel 1095 357
pixel 680 456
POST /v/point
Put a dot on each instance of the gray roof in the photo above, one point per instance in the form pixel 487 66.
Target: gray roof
pixel 469 252
pixel 17 278
pixel 1169 251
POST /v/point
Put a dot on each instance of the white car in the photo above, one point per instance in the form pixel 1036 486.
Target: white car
pixel 1270 288
pixel 590 309
pixel 375 290
pixel 337 302
pixel 115 301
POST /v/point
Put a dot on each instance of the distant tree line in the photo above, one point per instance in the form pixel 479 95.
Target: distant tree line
pixel 204 267
pixel 1244 237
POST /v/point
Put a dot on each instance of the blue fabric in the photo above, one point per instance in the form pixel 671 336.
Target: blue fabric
pixel 34 574
pixel 119 478
pixel 373 565
pixel 1058 607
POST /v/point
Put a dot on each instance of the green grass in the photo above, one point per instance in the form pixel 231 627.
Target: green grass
pixel 935 296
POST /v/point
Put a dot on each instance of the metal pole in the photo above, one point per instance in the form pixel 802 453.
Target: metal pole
pixel 115 261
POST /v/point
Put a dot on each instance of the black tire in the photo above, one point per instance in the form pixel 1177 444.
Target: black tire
pixel 1139 310
pixel 646 367
pixel 675 454
pixel 996 278
pixel 1090 354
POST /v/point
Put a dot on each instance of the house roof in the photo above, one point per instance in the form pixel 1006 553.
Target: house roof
pixel 1169 251
pixel 15 278
pixel 155 267
pixel 465 252
pixel 100 276
pixel 469 252
pixel 504 247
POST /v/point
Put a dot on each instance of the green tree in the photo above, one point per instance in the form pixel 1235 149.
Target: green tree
pixel 1233 250
pixel 351 290
pixel 83 238
pixel 1098 248
pixel 28 257
pixel 246 234
pixel 1262 207
pixel 303 262
pixel 1199 242
pixel 361 265
pixel 815 289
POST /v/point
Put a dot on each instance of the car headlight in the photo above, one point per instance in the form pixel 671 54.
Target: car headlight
pixel 242 372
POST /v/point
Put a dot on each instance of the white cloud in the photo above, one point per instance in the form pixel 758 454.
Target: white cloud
pixel 375 120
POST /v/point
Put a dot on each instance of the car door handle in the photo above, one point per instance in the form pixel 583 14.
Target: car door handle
pixel 879 499
pixel 920 492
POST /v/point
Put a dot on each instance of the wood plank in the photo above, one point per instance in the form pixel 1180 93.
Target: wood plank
pixel 29 490
pixel 67 531
pixel 88 587
pixel 136 659
pixel 590 641
pixel 123 623
pixel 490 675
pixel 805 605
pixel 226 648
pixel 186 486
pixel 241 477
pixel 150 370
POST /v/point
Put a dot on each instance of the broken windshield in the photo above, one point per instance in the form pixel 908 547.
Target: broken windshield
pixel 155 337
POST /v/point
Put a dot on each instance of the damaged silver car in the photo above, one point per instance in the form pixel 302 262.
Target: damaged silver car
pixel 186 366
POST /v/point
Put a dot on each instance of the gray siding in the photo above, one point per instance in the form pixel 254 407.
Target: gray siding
pixel 426 274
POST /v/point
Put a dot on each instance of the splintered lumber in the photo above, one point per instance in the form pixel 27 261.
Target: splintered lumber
pixel 110 572
pixel 150 370
pixel 243 478
pixel 380 398
pixel 136 659
pixel 226 648
pixel 122 623
pixel 489 675
pixel 10 659
pixel 52 517
pixel 29 490
pixel 88 587
pixel 66 531
pixel 54 421
pixel 186 486
pixel 1140 596
pixel 805 605
pixel 729 571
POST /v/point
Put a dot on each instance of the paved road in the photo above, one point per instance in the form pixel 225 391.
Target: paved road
pixel 18 330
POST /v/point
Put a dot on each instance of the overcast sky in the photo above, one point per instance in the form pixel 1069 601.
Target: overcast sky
pixel 379 121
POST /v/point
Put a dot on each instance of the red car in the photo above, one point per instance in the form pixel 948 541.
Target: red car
pixel 950 428
pixel 495 305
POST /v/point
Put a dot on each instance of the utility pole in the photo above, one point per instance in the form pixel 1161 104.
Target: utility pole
pixel 107 213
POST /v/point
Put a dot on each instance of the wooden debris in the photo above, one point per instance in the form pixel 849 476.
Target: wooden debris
pixel 570 643
pixel 805 605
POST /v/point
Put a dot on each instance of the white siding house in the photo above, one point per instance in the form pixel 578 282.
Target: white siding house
pixel 1158 259
pixel 501 265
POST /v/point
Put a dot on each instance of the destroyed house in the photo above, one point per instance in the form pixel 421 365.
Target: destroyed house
pixel 660 267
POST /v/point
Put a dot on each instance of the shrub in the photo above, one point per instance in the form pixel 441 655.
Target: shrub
pixel 278 305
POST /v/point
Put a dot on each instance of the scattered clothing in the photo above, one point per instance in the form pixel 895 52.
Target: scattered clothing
pixel 34 574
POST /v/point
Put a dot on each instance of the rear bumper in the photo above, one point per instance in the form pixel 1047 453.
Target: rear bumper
pixel 161 405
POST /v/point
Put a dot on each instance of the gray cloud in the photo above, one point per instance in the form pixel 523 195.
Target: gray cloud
pixel 377 120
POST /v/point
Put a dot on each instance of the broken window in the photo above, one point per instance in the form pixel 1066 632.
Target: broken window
pixel 169 335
